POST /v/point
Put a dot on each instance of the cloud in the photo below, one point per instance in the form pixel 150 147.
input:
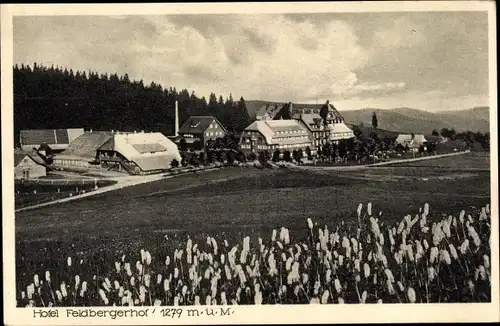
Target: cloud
pixel 276 57
pixel 429 51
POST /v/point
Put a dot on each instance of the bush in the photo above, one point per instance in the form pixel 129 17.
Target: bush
pixel 174 163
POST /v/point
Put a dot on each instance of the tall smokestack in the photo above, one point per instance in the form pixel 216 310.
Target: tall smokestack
pixel 176 118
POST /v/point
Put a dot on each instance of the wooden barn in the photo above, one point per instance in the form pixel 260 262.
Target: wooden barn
pixel 81 153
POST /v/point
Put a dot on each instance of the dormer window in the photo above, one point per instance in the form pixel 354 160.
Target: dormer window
pixel 194 124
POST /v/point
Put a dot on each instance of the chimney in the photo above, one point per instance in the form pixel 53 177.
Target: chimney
pixel 176 118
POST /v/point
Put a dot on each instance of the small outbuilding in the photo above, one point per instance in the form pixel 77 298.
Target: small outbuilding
pixel 28 165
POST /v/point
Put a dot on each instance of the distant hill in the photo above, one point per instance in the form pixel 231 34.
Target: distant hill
pixel 419 121
pixel 382 133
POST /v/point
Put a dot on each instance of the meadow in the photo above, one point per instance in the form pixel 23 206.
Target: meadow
pixel 29 193
pixel 234 202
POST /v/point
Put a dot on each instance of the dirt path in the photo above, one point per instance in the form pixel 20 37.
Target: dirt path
pixel 128 181
pixel 360 167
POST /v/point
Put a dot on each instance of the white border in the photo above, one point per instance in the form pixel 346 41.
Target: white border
pixel 248 314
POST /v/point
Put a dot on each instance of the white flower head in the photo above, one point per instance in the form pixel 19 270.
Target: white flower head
pixel 453 251
pixel 486 261
pixel 426 209
pixel 366 269
pixel 431 273
pixel 309 223
pixel 148 258
pixel 338 287
pixel 412 297
pixel 324 297
pixel 482 272
pixel 360 207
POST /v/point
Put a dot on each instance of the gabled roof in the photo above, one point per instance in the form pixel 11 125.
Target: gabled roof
pixel 315 108
pixel 340 128
pixel 270 110
pixel 409 138
pixel 87 144
pixel 313 121
pixel 297 108
pixel 415 141
pixel 51 137
pixel 19 155
pixel 198 124
pixel 150 151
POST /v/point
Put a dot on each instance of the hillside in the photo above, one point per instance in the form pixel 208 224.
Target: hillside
pixel 382 133
pixel 419 121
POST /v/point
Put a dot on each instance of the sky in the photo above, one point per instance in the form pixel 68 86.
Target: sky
pixel 427 60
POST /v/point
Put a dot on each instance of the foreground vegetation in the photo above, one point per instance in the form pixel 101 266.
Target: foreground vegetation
pixel 422 259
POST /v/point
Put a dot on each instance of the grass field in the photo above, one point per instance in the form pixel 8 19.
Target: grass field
pixel 234 202
pixel 30 193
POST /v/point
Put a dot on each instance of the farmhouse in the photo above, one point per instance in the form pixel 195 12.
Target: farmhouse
pixel 82 152
pixel 138 153
pixel 411 140
pixel 201 129
pixel 275 134
pixel 28 165
pixel 57 139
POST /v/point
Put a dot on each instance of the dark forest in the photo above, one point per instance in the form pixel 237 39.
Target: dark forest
pixel 54 97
